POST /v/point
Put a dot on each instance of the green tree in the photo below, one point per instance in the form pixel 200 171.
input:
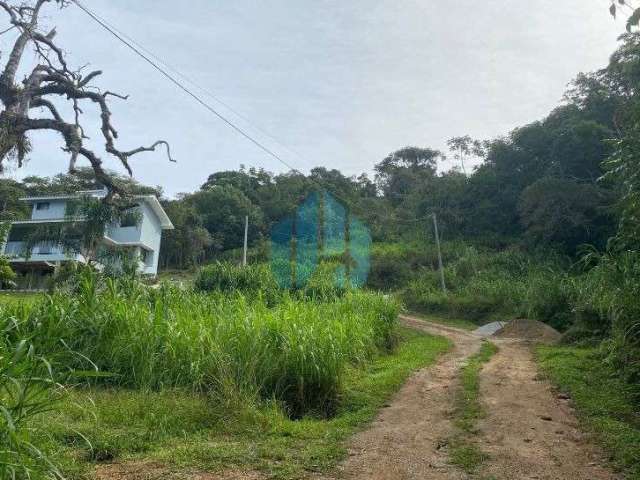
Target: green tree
pixel 222 211
pixel 7 275
pixel 400 172
pixel 565 214
pixel 186 246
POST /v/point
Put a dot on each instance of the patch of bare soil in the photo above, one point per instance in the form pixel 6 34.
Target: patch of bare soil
pixel 158 471
pixel 530 433
pixel 408 438
pixel 531 330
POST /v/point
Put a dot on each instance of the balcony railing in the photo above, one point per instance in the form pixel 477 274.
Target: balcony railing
pixel 18 249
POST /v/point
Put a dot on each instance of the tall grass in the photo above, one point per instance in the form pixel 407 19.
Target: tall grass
pixel 222 344
pixel 27 389
pixel 608 301
pixel 231 278
pixel 483 285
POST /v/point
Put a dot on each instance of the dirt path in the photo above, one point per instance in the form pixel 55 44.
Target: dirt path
pixel 528 432
pixel 406 440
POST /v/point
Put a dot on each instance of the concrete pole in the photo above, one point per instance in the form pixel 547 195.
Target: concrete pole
pixel 246 234
pixel 440 266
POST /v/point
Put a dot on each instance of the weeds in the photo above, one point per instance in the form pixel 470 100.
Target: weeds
pixel 463 449
pixel 27 389
pixel 605 404
pixel 183 430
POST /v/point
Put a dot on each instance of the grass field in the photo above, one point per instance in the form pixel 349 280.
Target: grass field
pixel 603 402
pixel 182 430
pixel 15 298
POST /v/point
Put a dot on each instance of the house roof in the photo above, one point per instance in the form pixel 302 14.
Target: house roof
pixel 150 200
pixel 66 196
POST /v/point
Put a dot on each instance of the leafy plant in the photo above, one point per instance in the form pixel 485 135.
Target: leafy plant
pixel 27 389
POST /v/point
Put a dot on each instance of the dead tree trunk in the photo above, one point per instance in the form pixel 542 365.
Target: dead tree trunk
pixel 49 82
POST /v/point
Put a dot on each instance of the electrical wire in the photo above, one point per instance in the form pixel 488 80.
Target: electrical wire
pixel 155 62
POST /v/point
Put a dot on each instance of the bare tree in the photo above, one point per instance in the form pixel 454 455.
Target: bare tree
pixel 49 80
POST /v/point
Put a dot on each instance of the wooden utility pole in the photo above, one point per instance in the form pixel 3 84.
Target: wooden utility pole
pixel 440 266
pixel 246 234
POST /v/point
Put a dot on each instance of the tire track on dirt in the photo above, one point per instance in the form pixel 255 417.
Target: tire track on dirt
pixel 407 440
pixel 528 432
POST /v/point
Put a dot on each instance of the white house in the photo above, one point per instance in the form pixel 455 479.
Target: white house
pixel 141 236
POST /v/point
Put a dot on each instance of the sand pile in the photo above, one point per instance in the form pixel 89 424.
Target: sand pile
pixel 531 330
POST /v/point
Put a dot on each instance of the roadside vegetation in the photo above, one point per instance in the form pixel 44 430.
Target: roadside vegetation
pixel 607 406
pixel 163 373
pixel 210 433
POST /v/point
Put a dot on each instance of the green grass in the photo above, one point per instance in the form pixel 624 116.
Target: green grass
pixel 186 277
pixel 227 345
pixel 185 430
pixel 603 402
pixel 464 451
pixel 447 321
pixel 16 298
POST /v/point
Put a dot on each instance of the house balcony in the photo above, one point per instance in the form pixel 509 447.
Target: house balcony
pixel 47 252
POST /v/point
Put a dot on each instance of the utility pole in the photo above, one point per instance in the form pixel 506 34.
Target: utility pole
pixel 440 266
pixel 246 234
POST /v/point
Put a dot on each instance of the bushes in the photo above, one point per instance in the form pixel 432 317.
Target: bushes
pixel 550 298
pixel 7 275
pixel 295 351
pixel 483 285
pixel 231 278
pixel 608 298
pixel 393 265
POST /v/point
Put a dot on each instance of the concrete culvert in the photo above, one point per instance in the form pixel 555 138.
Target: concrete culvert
pixel 489 329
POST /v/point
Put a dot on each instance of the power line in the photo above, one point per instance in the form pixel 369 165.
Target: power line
pixel 149 57
pixel 194 83
pixel 180 85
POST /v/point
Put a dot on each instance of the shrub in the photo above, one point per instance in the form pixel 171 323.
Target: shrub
pixel 7 275
pixel 327 282
pixel 549 298
pixel 230 278
pixel 607 295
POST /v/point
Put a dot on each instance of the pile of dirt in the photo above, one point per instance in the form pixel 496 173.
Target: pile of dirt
pixel 531 330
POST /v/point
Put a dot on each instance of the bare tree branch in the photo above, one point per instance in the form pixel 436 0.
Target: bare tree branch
pixel 53 78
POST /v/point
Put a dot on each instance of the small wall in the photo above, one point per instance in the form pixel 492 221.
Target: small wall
pixel 57 210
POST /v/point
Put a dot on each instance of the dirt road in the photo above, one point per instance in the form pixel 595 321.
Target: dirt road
pixel 528 432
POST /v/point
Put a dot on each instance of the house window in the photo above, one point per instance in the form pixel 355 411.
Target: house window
pixel 146 256
pixel 42 206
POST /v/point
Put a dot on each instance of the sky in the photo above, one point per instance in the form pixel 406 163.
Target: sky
pixel 331 83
